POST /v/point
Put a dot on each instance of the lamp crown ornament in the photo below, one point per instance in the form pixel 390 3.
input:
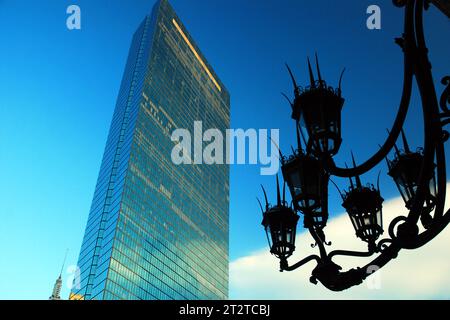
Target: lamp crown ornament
pixel 317 107
pixel 280 224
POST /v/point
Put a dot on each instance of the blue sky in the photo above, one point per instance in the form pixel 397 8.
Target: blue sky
pixel 58 91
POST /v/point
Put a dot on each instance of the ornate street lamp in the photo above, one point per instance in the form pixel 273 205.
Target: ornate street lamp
pixel 319 216
pixel 280 223
pixel 307 172
pixel 405 170
pixel 303 174
pixel 364 207
pixel 308 184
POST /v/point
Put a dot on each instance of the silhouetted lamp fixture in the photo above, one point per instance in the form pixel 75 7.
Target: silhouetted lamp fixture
pixel 405 171
pixel 303 175
pixel 420 176
pixel 364 207
pixel 308 184
pixel 280 223
pixel 318 108
pixel 319 216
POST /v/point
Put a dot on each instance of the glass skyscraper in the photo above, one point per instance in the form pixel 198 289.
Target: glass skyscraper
pixel 157 230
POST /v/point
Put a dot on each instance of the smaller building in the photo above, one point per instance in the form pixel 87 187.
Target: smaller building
pixel 56 294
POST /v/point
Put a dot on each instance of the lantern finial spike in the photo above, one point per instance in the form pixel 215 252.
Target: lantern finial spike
pixel 311 75
pixel 318 70
pixel 405 142
pixel 337 188
pixel 350 178
pixel 260 206
pixel 387 160
pixel 265 197
pixel 397 151
pixel 293 80
pixel 378 181
pixel 340 81
pixel 299 142
pixel 357 178
pixel 278 192
pixel 289 100
pixel 387 163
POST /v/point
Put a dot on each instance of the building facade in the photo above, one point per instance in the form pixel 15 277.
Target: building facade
pixel 157 230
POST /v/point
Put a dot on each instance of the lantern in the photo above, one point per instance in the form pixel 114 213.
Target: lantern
pixel 405 170
pixel 280 224
pixel 318 108
pixel 305 178
pixel 364 207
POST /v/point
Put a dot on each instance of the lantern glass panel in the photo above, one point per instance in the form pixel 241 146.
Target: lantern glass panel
pixel 367 221
pixel 364 208
pixel 280 223
pixel 303 175
pixel 379 219
pixel 269 237
pixel 321 115
pixel 405 170
pixel 296 183
pixel 290 236
pixel 433 190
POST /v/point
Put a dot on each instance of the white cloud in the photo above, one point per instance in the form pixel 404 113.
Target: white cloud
pixel 423 273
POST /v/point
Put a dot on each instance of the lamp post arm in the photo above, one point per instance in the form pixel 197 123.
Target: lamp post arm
pixel 390 141
pixel 351 253
pixel 440 151
pixel 441 178
pixel 424 79
pixel 334 280
pixel 408 44
pixel 389 253
pixel 445 97
pixel 429 234
pixel 340 281
pixel 285 267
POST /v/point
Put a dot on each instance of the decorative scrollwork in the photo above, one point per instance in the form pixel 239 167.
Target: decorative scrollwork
pixel 445 97
pixel 322 238
pixel 383 244
pixel 393 224
pixel 443 102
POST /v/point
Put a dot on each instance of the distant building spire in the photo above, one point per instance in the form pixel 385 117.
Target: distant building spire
pixel 56 294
